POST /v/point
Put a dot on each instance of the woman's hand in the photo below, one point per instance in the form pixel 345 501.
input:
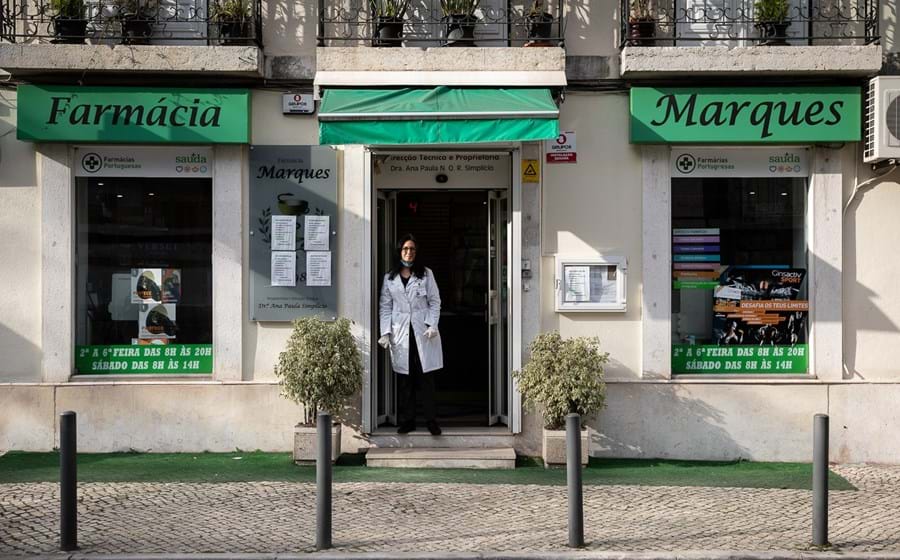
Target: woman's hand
pixel 385 341
pixel 431 332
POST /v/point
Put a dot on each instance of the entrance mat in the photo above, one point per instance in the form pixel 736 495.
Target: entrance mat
pixel 18 467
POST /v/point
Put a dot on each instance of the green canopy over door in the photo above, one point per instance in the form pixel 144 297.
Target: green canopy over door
pixel 441 115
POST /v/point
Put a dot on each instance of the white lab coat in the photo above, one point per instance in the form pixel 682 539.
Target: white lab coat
pixel 418 303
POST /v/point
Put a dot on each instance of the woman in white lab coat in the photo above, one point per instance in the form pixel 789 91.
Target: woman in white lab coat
pixel 410 301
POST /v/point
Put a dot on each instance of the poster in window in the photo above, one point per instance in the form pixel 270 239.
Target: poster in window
pixel 145 285
pixel 171 285
pixel 157 320
pixel 578 283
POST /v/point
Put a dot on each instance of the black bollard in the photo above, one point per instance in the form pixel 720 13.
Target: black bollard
pixel 323 482
pixel 68 492
pixel 573 477
pixel 820 480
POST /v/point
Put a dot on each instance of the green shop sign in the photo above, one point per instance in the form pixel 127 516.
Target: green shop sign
pixel 150 358
pixel 689 358
pixel 133 115
pixel 745 115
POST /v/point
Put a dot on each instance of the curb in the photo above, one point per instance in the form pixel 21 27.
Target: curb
pixel 562 555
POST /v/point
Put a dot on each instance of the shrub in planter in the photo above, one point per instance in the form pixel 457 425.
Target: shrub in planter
pixel 540 21
pixel 563 376
pixel 320 368
pixel 69 22
pixel 772 21
pixel 388 27
pixel 138 18
pixel 232 18
pixel 641 24
pixel 459 16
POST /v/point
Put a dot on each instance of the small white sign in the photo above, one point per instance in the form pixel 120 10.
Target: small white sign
pixel 316 233
pixel 284 268
pixel 578 283
pixel 740 162
pixel 318 268
pixel 188 162
pixel 284 233
pixel 298 104
pixel 562 149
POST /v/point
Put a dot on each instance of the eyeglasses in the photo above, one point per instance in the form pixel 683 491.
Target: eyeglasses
pixel 408 249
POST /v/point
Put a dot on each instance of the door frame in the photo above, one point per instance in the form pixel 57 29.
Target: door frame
pixel 369 422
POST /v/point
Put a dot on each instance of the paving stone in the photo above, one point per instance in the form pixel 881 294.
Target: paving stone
pixel 279 517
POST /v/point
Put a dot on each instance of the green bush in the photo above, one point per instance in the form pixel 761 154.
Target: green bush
pixel 459 7
pixel 770 11
pixel 563 376
pixel 320 367
pixel 68 9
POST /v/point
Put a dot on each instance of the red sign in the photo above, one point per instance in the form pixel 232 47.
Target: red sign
pixel 562 148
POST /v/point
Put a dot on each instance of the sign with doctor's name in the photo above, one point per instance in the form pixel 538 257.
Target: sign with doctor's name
pixel 133 115
pixel 751 115
pixel 442 169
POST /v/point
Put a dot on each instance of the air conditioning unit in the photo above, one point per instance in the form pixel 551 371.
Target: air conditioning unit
pixel 883 119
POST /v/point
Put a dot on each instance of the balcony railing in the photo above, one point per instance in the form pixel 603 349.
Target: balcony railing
pixel 734 22
pixel 132 22
pixel 494 23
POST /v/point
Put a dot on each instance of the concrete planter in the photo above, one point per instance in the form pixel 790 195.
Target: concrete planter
pixel 305 446
pixel 554 448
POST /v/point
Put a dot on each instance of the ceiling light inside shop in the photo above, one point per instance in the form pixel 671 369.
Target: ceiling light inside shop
pixel 752 193
pixel 151 194
pixel 120 196
pixel 784 194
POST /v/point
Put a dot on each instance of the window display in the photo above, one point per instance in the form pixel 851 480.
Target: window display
pixel 739 275
pixel 144 275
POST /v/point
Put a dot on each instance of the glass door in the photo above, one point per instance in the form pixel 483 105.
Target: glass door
pixel 385 393
pixel 498 306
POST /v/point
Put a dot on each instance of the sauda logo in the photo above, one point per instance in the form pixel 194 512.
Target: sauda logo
pixel 192 158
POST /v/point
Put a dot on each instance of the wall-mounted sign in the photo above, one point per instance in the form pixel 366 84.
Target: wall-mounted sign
pixel 298 104
pixel 155 357
pixel 531 171
pixel 743 162
pixel 186 162
pixel 745 115
pixel 133 115
pixel 444 169
pixel 562 149
pixel 293 219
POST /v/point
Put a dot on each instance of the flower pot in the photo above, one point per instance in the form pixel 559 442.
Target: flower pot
pixel 235 33
pixel 69 31
pixel 460 30
pixel 306 443
pixel 137 31
pixel 641 33
pixel 540 26
pixel 554 447
pixel 388 32
pixel 771 33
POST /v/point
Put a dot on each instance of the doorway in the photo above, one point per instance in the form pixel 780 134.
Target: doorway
pixel 464 238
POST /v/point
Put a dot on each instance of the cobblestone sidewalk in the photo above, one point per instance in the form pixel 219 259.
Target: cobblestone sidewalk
pixel 270 517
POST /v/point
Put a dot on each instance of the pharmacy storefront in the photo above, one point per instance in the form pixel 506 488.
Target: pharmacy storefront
pixel 130 182
pixel 742 202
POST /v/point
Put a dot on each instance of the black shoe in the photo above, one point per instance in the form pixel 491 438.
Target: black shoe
pixel 434 428
pixel 405 428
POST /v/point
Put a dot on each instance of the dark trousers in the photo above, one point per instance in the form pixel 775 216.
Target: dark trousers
pixel 415 386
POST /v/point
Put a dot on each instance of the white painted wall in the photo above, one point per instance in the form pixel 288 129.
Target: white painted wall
pixel 20 252
pixel 871 325
pixel 594 207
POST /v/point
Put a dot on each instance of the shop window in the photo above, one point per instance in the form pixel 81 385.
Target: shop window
pixel 739 275
pixel 144 275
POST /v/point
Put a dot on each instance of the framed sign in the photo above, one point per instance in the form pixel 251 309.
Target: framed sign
pixel 590 284
pixel 292 233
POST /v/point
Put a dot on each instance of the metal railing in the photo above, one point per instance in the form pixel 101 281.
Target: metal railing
pixel 733 22
pixel 500 23
pixel 132 22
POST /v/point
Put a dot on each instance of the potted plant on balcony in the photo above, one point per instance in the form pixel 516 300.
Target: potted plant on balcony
pixel 459 15
pixel 641 23
pixel 540 23
pixel 232 18
pixel 388 14
pixel 137 18
pixel 771 21
pixel 69 22
pixel 320 368
pixel 563 376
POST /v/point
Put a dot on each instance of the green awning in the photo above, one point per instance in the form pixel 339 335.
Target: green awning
pixel 441 115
